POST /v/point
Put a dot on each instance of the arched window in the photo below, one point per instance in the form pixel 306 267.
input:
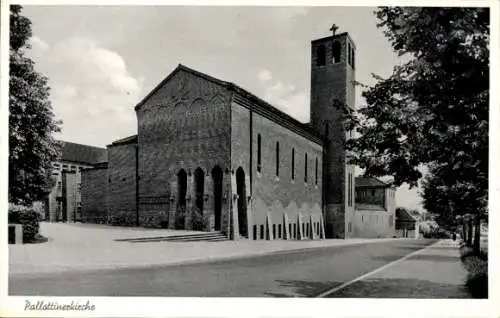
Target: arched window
pixel 293 163
pixel 349 55
pixel 305 168
pixel 316 173
pixel 351 52
pixel 320 56
pixel 259 153
pixel 336 52
pixel 277 158
pixel 353 58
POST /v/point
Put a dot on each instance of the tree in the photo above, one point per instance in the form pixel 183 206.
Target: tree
pixel 433 109
pixel 448 198
pixel 32 146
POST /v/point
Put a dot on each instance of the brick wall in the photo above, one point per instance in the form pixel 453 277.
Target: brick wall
pixel 56 193
pixel 122 184
pixel 350 203
pixel 274 196
pixel 373 224
pixel 183 125
pixel 94 195
pixel 240 154
pixel 69 183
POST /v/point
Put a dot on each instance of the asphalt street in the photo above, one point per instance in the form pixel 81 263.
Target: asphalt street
pixel 305 273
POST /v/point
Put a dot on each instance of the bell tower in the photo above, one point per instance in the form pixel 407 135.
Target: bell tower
pixel 332 82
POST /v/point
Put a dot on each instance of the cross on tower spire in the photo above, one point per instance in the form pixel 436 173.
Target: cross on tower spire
pixel 334 28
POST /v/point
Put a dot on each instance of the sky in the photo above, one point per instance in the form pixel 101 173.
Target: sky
pixel 101 60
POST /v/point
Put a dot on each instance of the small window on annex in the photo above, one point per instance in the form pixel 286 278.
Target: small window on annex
pixel 316 173
pixel 259 153
pixel 277 159
pixel 305 168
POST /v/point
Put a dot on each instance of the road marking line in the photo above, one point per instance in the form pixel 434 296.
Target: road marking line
pixel 335 289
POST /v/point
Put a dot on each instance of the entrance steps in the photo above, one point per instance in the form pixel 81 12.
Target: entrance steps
pixel 192 237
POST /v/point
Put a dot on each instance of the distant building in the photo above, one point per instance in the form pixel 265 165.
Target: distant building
pixel 64 201
pixel 407 224
pixel 375 208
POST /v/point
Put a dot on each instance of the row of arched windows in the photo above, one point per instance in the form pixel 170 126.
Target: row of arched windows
pixel 336 54
pixel 277 163
pixel 308 230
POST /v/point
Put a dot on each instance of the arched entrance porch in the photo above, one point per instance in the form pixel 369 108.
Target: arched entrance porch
pixel 217 188
pixel 180 215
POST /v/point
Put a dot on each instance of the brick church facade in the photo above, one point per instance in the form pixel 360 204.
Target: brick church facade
pixel 212 156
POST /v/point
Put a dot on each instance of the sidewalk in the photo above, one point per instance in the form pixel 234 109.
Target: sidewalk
pixel 434 272
pixel 74 247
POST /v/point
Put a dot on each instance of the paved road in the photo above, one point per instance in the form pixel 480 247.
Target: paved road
pixel 304 273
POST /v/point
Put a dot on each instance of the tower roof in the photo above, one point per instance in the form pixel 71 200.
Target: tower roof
pixel 336 36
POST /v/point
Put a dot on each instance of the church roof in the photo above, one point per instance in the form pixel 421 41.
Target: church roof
pixel 181 67
pixel 263 107
pixel 79 153
pixel 127 140
pixel 369 182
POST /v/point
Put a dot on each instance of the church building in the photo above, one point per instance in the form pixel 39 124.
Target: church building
pixel 211 156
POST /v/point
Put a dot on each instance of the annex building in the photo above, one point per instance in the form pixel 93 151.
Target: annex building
pixel 64 202
pixel 209 155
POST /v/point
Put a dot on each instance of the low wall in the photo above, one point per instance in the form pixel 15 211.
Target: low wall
pixel 373 224
pixel 407 233
pixel 15 234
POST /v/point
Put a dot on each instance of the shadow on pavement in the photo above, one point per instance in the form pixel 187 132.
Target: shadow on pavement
pixel 300 288
pixel 387 258
pixel 401 288
pixel 423 257
pixel 434 258
pixel 449 248
pixel 411 248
